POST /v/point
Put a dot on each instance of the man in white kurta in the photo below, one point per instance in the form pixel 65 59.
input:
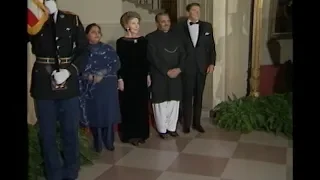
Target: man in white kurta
pixel 166 56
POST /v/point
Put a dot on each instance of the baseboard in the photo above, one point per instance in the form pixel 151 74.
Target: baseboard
pixel 205 113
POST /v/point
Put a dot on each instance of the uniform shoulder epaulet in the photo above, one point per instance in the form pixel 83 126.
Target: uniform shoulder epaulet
pixel 71 13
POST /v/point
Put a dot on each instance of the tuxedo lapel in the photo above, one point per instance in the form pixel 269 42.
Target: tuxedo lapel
pixel 200 32
pixel 186 31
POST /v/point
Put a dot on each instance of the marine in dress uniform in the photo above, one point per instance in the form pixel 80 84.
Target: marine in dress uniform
pixel 55 87
pixel 166 55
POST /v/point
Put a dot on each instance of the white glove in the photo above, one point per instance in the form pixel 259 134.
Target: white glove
pixel 61 76
pixel 149 80
pixel 120 85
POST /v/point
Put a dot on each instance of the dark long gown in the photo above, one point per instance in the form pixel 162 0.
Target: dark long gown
pixel 99 101
pixel 134 99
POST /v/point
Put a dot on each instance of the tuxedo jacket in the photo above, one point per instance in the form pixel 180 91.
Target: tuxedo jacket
pixel 203 53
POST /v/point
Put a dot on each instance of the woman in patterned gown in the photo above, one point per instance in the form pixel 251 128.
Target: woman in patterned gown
pixel 99 86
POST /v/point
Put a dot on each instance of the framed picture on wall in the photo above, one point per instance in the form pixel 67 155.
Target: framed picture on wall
pixel 280 25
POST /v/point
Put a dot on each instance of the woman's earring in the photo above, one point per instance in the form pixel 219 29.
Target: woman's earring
pixel 128 29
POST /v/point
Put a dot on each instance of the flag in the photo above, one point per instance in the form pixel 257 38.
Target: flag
pixel 37 16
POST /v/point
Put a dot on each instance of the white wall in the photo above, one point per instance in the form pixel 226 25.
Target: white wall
pixel 99 11
pixel 107 14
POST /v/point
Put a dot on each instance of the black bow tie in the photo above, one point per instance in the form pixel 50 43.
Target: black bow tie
pixel 192 23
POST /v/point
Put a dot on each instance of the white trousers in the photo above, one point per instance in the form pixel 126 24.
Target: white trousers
pixel 166 115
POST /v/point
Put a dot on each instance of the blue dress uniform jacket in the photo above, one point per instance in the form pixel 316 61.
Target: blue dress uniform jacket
pixel 70 45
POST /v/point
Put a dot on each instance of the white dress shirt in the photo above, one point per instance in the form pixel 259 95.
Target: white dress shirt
pixel 194 32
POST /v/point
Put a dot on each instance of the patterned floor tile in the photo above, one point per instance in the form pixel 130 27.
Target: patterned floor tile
pixel 238 169
pixel 213 148
pixel 290 144
pixel 148 159
pixel 192 133
pixel 109 157
pixel 129 173
pixel 289 156
pixel 182 176
pixel 203 157
pixel 171 144
pixel 93 171
pixel 219 134
pixel 207 122
pixel 118 143
pixel 153 132
pixel 199 165
pixel 265 139
pixel 289 173
pixel 258 152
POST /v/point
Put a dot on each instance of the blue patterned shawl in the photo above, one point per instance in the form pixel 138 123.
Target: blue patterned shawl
pixel 102 61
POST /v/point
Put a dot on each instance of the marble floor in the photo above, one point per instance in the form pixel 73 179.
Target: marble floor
pixel 214 155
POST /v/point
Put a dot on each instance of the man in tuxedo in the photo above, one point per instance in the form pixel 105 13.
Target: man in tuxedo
pixel 197 37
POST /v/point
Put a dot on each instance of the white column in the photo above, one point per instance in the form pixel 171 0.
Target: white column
pixel 231 22
pixel 238 40
pixel 181 5
pixel 219 22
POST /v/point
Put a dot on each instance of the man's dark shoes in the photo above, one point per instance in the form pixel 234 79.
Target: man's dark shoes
pixel 163 135
pixel 98 149
pixel 111 148
pixel 173 133
pixel 142 141
pixel 199 129
pixel 186 130
pixel 134 141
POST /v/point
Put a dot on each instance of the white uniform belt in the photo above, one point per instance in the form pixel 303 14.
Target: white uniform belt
pixel 47 60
